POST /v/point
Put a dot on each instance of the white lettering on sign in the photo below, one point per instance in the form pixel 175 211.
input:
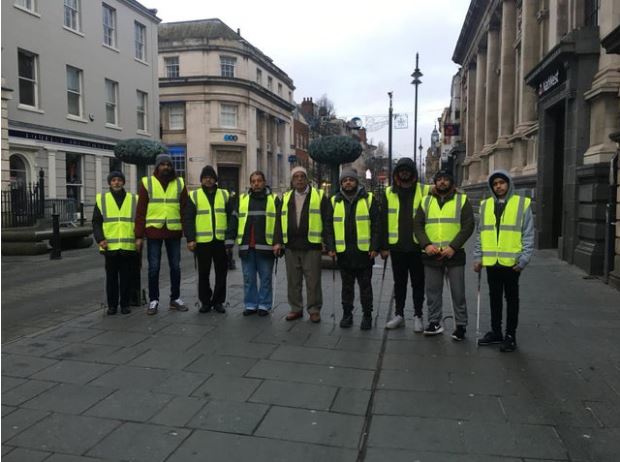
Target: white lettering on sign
pixel 549 83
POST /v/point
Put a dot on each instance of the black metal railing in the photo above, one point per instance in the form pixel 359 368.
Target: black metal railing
pixel 22 205
pixel 65 208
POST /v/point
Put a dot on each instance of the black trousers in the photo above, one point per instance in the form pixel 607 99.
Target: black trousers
pixel 404 266
pixel 504 281
pixel 212 253
pixel 364 280
pixel 117 281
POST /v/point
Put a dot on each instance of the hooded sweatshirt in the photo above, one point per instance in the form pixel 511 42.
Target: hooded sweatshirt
pixel 527 228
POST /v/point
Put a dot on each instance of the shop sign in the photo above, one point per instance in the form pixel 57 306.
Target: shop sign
pixel 550 82
pixel 232 138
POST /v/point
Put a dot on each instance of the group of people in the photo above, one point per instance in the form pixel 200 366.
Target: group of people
pixel 423 228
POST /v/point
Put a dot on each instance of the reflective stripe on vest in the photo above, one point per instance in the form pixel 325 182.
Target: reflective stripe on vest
pixel 506 246
pixel 118 224
pixel 164 207
pixel 443 223
pixel 204 224
pixel 362 224
pixel 270 221
pixel 393 210
pixel 315 222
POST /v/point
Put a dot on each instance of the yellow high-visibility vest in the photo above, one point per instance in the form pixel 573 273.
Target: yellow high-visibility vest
pixel 393 209
pixel 164 207
pixel 504 247
pixel 362 224
pixel 204 224
pixel 443 223
pixel 118 223
pixel 270 221
pixel 315 222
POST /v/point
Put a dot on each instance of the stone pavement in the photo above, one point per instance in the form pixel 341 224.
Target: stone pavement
pixel 181 387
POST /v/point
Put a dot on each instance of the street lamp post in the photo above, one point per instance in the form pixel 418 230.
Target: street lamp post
pixel 421 159
pixel 416 81
pixel 390 141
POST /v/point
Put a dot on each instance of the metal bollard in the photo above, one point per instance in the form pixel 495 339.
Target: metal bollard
pixel 55 253
pixel 81 213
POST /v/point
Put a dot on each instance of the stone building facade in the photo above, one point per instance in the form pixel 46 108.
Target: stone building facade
pixel 83 77
pixel 540 97
pixel 223 103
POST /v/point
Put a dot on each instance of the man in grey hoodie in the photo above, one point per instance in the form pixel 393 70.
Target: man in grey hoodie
pixel 504 245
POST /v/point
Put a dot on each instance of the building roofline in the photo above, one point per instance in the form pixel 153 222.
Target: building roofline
pixel 150 12
pixel 472 19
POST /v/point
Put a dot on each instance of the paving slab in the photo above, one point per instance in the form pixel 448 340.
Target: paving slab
pixel 227 365
pixel 23 366
pixel 25 391
pixel 20 420
pixel 135 377
pixel 179 411
pixel 77 372
pixel 308 355
pixel 139 442
pixel 64 433
pixel 25 455
pixel 227 387
pixel 351 401
pixel 134 405
pixel 180 383
pixel 164 359
pixel 300 395
pixel 229 417
pixel 68 398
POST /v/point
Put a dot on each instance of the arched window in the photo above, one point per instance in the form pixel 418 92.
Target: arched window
pixel 18 171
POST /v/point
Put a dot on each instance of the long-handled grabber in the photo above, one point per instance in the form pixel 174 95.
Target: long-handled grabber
pixel 334 291
pixel 381 289
pixel 478 309
pixel 274 285
pixel 451 301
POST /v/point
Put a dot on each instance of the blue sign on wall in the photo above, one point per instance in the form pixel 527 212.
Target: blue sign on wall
pixel 230 138
pixel 292 158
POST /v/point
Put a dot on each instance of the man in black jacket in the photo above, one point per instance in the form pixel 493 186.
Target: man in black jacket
pixel 356 235
pixel 206 220
pixel 306 225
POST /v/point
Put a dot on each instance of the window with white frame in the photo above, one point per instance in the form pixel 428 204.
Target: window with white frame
pixel 74 91
pixel 140 41
pixel 28 74
pixel 30 5
pixel 259 76
pixel 176 117
pixel 111 102
pixel 141 108
pixel 109 25
pixel 72 14
pixel 227 64
pixel 270 83
pixel 279 89
pixel 171 65
pixel 228 116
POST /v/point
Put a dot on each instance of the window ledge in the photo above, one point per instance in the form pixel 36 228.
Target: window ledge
pixel 76 32
pixel 111 48
pixel 26 10
pixel 25 107
pixel 76 119
pixel 143 133
pixel 113 127
pixel 141 61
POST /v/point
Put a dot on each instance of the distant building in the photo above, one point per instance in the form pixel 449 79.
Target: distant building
pixel 83 77
pixel 301 140
pixel 540 97
pixel 432 162
pixel 224 103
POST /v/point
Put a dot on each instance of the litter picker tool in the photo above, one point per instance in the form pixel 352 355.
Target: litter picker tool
pixel 381 289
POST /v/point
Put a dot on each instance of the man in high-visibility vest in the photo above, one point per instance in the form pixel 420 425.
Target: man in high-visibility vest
pixel 443 223
pixel 162 198
pixel 400 203
pixel 208 235
pixel 356 236
pixel 255 223
pixel 504 246
pixel 113 218
pixel 306 225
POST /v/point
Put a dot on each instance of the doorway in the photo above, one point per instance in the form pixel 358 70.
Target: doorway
pixel 557 123
pixel 228 178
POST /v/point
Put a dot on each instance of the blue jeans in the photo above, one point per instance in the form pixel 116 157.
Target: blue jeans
pixel 252 264
pixel 173 250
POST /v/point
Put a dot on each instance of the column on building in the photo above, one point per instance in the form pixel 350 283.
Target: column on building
pixel 98 175
pixel 274 149
pixel 51 174
pixel 251 160
pixel 604 95
pixel 262 137
pixel 506 102
pixel 491 98
pixel 476 175
pixel 283 170
pixel 470 122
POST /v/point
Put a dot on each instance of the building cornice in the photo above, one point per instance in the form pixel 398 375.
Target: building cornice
pixel 165 82
pixel 34 128
pixel 611 42
pixel 472 28
pixel 151 13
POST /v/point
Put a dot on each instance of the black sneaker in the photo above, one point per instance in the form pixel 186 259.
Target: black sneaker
pixel 366 322
pixel 509 344
pixel 204 308
pixel 263 313
pixel 248 312
pixel 433 328
pixel 459 333
pixel 219 308
pixel 347 320
pixel 490 338
pixel 112 311
pixel 125 310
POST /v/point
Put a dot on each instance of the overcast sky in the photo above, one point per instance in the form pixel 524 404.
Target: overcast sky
pixel 355 52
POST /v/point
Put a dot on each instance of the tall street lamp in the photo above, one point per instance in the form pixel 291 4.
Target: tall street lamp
pixel 390 141
pixel 423 169
pixel 416 81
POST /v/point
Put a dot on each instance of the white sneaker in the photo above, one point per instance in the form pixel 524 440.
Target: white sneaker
pixel 153 306
pixel 418 326
pixel 396 322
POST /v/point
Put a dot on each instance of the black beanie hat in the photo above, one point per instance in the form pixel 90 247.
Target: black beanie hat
pixel 115 174
pixel 208 171
pixel 445 174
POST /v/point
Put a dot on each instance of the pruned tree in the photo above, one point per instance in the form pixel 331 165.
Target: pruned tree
pixel 334 151
pixel 138 151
